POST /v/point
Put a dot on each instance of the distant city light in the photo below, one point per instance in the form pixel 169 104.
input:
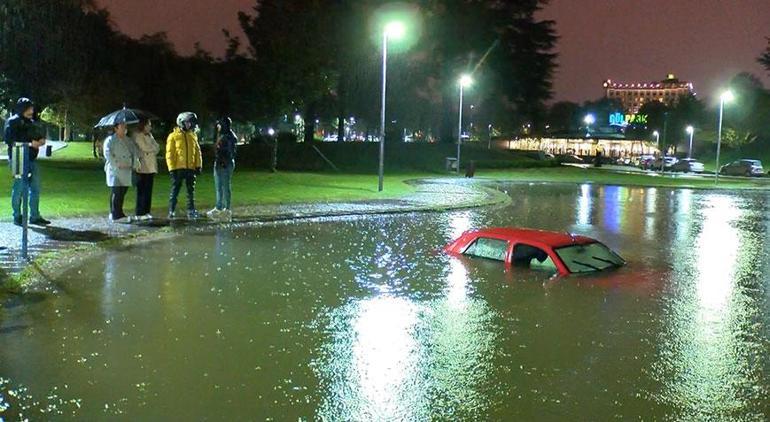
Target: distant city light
pixel 589 119
pixel 271 131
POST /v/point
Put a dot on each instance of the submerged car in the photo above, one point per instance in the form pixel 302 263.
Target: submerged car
pixel 743 168
pixel 688 165
pixel 563 253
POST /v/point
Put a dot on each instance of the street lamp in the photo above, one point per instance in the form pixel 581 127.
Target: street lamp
pixel 656 134
pixel 464 82
pixel 589 120
pixel 726 97
pixel 393 30
pixel 690 131
pixel 271 133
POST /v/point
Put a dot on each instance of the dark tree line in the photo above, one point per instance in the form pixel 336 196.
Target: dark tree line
pixel 322 58
pixel 319 59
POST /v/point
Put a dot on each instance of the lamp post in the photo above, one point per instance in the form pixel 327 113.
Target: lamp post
pixel 393 30
pixel 691 132
pixel 464 82
pixel 589 120
pixel 271 132
pixel 726 97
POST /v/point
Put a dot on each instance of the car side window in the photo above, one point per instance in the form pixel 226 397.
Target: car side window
pixel 528 256
pixel 484 247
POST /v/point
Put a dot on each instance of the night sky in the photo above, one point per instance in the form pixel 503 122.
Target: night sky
pixel 703 41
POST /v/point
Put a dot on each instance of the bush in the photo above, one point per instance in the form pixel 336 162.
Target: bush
pixel 363 157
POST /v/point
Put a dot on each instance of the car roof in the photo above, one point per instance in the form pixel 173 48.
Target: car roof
pixel 550 238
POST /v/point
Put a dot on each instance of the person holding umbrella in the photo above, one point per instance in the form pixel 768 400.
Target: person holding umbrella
pixel 120 161
pixel 184 161
pixel 147 150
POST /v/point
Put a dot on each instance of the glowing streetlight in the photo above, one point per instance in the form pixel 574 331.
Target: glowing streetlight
pixel 393 31
pixel 464 82
pixel 726 97
pixel 656 134
pixel 589 120
pixel 690 131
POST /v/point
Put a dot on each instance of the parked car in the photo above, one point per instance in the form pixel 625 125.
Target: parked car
pixel 666 163
pixel 743 168
pixel 561 253
pixel 688 165
pixel 571 159
pixel 644 162
pixel 623 161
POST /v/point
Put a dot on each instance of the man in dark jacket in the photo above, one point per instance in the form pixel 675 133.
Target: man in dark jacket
pixel 21 128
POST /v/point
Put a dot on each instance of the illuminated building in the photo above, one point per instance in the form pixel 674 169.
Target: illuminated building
pixel 609 146
pixel 634 95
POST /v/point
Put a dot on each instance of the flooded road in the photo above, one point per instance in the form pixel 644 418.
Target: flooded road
pixel 364 319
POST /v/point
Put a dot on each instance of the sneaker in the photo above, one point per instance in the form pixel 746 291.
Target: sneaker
pixel 193 215
pixel 17 221
pixel 213 214
pixel 147 217
pixel 39 221
pixel 227 214
pixel 172 215
pixel 123 219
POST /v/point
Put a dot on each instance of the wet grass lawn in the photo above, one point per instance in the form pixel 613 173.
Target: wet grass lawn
pixel 73 185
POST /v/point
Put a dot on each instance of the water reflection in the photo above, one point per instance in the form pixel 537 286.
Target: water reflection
pixel 397 358
pixel 583 206
pixel 709 362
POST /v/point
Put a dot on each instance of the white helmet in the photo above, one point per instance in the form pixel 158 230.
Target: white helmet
pixel 188 119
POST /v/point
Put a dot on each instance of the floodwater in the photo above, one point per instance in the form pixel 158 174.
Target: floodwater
pixel 365 319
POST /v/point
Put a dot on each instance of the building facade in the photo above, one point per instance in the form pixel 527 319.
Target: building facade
pixel 584 147
pixel 634 95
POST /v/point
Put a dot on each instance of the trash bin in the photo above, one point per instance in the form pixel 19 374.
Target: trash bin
pixel 451 164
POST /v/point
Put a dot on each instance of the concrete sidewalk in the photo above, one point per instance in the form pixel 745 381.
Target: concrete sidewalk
pixel 433 194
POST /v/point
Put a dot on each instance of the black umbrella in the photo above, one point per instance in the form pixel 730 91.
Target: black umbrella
pixel 124 115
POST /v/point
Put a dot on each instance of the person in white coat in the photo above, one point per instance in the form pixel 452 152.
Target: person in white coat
pixel 120 163
pixel 147 150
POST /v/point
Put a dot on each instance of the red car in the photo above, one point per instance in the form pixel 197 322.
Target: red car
pixel 563 253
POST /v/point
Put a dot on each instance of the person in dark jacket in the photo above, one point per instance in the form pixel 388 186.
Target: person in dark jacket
pixel 21 128
pixel 224 165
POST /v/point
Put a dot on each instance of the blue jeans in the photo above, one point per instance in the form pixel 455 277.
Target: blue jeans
pixel 222 178
pixel 33 190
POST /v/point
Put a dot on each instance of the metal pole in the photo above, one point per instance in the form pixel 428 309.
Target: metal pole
pixel 460 129
pixel 489 134
pixel 275 154
pixel 25 170
pixel 719 138
pixel 689 151
pixel 382 110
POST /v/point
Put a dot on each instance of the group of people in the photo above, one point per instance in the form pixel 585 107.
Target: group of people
pixel 132 161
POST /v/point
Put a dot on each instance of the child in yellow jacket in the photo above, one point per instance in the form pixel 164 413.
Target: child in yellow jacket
pixel 183 157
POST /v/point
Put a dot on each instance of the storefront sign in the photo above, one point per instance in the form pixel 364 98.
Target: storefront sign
pixel 619 119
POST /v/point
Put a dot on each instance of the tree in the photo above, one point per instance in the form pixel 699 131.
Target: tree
pixel 320 57
pixel 563 116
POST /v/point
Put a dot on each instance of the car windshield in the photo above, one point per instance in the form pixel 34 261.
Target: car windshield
pixel 589 258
